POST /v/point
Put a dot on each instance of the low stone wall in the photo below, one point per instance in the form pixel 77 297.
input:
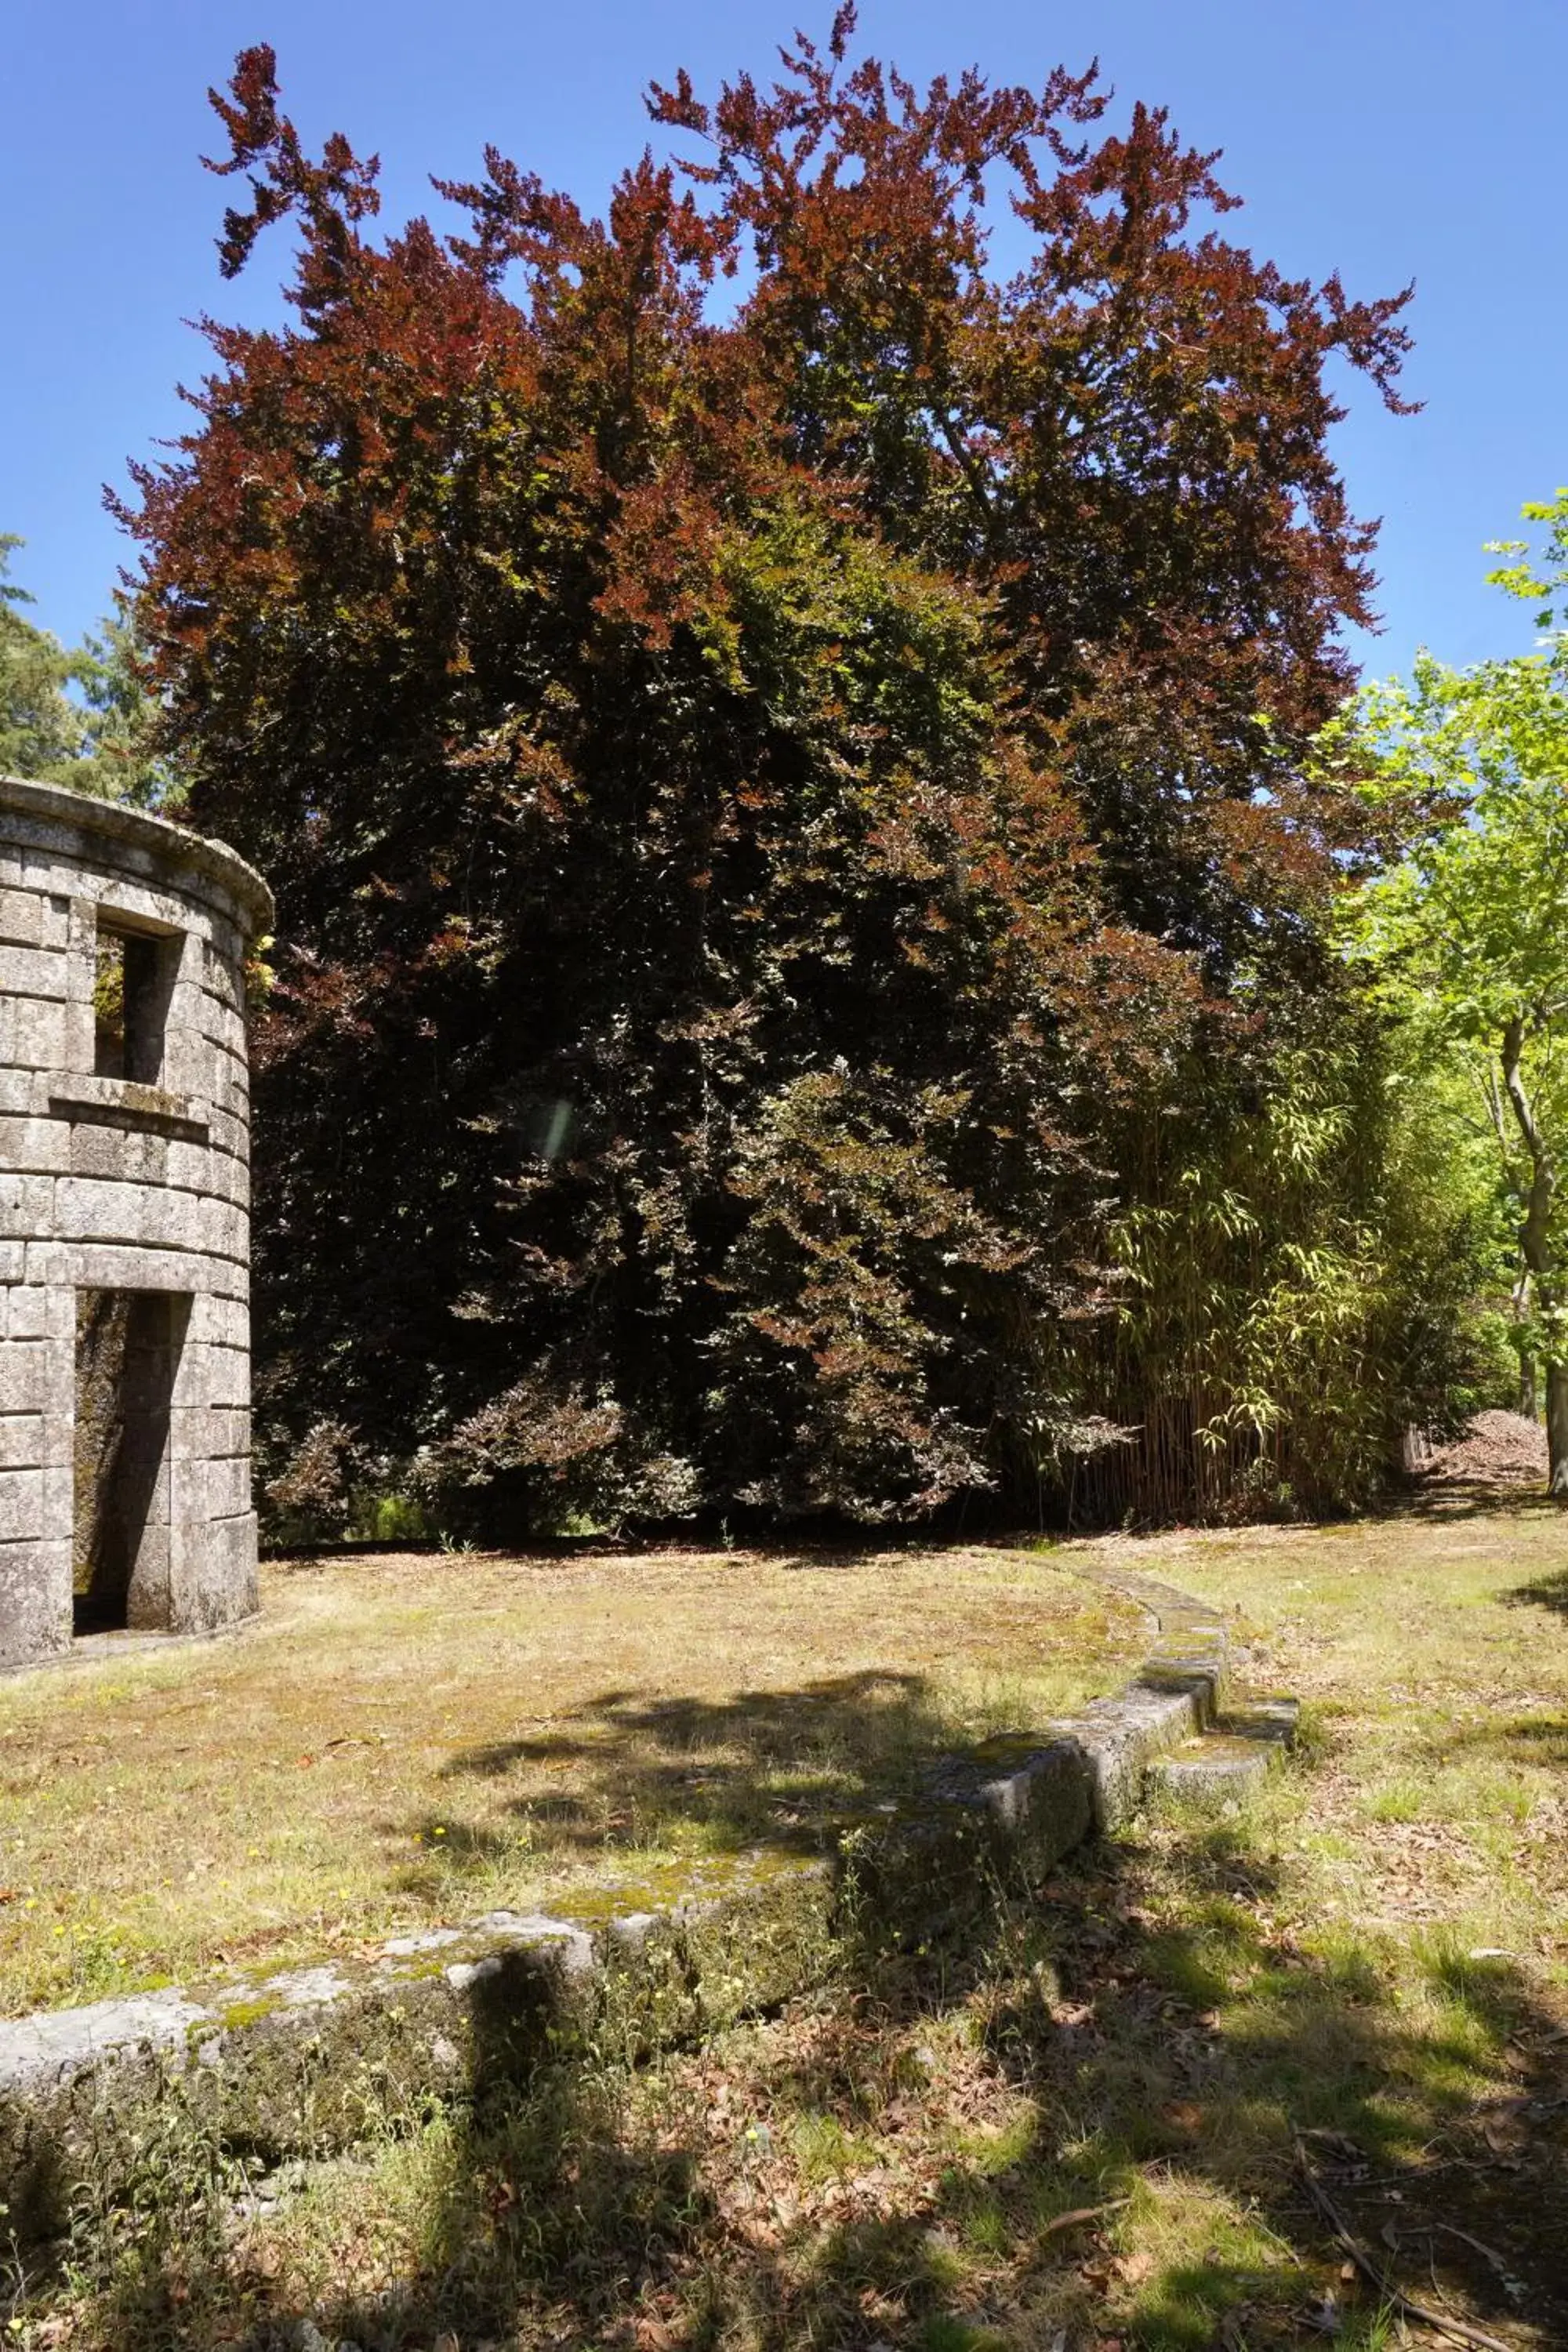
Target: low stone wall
pixel 307 2060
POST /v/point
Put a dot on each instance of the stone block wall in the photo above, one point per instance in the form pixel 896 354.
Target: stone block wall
pixel 132 1185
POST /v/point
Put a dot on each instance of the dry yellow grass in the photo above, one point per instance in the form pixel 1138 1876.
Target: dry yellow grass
pixel 405 1737
pixel 1079 2124
pixel 1431 1652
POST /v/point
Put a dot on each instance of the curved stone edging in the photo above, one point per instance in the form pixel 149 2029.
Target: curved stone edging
pixel 141 833
pixel 305 2061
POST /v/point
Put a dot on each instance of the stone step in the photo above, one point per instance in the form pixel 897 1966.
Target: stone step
pixel 1226 1764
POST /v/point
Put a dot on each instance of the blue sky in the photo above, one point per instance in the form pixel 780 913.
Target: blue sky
pixel 1387 140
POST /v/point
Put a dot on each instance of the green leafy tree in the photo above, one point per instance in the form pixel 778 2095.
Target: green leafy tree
pixel 42 730
pixel 1470 930
pixel 123 755
pixel 99 738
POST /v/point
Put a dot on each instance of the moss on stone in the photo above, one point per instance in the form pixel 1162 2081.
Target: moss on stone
pixel 241 2013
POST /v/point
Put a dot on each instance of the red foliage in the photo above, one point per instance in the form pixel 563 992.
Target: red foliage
pixel 750 793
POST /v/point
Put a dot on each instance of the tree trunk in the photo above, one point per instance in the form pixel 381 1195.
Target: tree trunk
pixel 1528 1387
pixel 1535 1247
pixel 1557 1431
pixel 1414 1450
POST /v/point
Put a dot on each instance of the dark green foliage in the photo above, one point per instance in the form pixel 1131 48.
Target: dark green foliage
pixel 40 725
pixel 97 739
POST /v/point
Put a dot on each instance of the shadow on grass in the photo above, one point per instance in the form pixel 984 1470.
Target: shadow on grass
pixel 1509 1738
pixel 1542 1593
pixel 768 1769
pixel 895 2166
pixel 1447 1499
pixel 1075 2117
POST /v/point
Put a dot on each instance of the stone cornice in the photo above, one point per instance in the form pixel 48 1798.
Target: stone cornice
pixel 184 851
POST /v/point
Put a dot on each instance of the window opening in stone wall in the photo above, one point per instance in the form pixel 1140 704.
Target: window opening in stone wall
pixel 131 987
pixel 128 1347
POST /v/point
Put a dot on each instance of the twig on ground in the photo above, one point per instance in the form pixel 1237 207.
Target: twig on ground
pixel 1460 2330
pixel 1493 2257
pixel 1080 2214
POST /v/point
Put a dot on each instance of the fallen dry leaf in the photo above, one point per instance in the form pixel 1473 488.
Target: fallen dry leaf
pixel 1079 2216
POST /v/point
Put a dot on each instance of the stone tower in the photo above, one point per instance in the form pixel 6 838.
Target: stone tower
pixel 124 1223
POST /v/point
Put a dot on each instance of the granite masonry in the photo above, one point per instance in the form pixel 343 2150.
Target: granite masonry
pixel 124 1224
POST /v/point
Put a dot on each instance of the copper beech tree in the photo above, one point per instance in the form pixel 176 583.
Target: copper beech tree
pixel 767 790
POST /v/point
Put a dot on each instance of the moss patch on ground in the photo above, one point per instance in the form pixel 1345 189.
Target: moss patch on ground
pixel 408 1739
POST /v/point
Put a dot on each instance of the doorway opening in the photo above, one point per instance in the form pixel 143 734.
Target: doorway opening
pixel 128 1346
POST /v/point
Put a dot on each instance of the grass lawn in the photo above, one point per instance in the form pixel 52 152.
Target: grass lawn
pixel 1080 2131
pixel 406 1737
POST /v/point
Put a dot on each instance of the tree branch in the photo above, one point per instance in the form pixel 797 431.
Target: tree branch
pixel 1534 1234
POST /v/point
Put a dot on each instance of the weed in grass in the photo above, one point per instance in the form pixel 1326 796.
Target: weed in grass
pixel 1374 2332
pixel 825 2149
pixel 982 2226
pixel 1401 1799
pixel 944 2332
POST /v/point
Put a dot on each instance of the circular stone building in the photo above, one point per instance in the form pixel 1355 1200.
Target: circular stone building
pixel 124 1223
